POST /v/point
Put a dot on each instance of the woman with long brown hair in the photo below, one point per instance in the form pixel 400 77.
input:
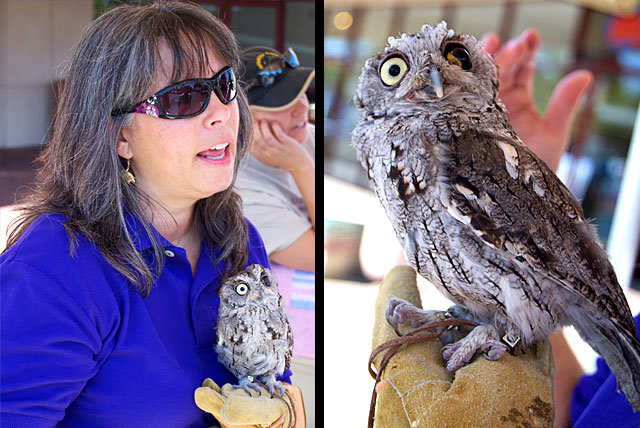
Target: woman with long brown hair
pixel 108 283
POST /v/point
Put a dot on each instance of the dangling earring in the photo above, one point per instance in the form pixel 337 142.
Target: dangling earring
pixel 127 175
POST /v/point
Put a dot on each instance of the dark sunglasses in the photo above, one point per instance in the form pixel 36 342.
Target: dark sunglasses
pixel 188 98
pixel 271 64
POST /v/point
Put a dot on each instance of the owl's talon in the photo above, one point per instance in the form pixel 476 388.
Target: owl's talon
pixel 254 386
pixel 247 383
pixel 492 352
pixel 392 320
pixel 281 390
pixel 271 384
pixel 483 337
pixel 400 311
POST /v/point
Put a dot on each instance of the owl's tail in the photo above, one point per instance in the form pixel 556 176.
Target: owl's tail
pixel 620 348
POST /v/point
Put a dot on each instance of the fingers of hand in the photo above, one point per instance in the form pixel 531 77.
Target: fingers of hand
pixel 263 138
pixel 285 139
pixel 491 43
pixel 277 129
pixel 267 132
pixel 258 133
pixel 516 59
pixel 530 38
pixel 274 135
pixel 565 100
pixel 508 62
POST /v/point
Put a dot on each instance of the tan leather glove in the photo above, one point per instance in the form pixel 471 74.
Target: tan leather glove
pixel 416 390
pixel 236 408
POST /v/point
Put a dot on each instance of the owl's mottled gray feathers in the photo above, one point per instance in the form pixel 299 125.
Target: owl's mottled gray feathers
pixel 549 233
pixel 477 213
pixel 254 338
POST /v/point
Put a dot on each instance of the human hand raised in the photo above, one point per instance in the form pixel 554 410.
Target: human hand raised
pixel 272 146
pixel 547 135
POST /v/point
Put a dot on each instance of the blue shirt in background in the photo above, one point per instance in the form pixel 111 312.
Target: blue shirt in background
pixel 80 347
pixel 595 402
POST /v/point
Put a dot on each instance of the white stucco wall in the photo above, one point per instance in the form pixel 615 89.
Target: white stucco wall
pixel 36 36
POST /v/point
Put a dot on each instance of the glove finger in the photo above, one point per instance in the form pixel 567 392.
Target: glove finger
pixel 209 400
pixel 209 383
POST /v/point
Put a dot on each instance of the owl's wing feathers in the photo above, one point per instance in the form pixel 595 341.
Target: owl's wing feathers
pixel 284 320
pixel 530 216
pixel 289 352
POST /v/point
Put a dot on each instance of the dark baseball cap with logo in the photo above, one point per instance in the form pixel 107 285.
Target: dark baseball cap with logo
pixel 273 81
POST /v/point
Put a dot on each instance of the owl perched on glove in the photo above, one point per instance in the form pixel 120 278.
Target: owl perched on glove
pixel 254 338
pixel 478 214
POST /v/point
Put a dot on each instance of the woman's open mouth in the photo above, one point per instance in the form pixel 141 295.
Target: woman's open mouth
pixel 219 152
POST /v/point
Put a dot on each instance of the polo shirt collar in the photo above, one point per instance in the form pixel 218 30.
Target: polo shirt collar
pixel 139 235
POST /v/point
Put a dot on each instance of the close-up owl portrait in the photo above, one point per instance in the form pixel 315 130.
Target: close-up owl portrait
pixel 254 338
pixel 477 213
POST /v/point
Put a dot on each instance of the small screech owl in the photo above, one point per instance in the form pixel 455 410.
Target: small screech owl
pixel 478 214
pixel 254 338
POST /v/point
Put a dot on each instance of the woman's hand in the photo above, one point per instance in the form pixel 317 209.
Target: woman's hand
pixel 235 408
pixel 272 146
pixel 546 135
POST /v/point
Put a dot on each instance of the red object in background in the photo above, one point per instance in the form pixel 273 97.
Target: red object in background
pixel 623 32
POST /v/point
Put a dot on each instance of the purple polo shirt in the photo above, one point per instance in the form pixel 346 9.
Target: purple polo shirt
pixel 596 403
pixel 80 347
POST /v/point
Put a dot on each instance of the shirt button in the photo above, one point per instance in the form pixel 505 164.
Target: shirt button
pixel 169 253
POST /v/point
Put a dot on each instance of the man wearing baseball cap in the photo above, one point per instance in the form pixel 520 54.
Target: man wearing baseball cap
pixel 277 182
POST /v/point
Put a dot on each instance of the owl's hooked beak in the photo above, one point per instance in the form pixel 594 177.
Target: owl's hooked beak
pixel 424 84
pixel 436 80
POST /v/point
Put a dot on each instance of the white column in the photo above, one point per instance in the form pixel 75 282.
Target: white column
pixel 624 237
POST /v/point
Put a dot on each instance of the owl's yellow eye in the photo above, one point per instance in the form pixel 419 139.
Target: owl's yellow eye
pixel 265 281
pixel 393 70
pixel 242 288
pixel 458 55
